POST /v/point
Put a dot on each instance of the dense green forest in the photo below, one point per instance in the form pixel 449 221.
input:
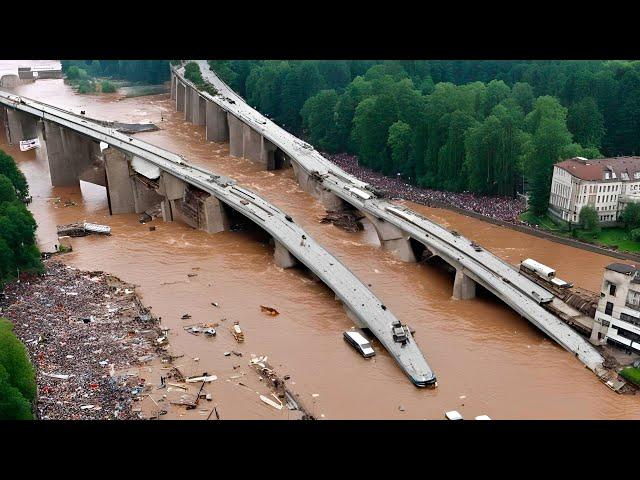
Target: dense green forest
pixel 483 126
pixel 18 250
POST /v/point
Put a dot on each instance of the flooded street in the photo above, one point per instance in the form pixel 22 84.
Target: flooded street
pixel 479 349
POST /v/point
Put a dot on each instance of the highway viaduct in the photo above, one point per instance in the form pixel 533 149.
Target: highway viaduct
pixel 138 176
pixel 228 118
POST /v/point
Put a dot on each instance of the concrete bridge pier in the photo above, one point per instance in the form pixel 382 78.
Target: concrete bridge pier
pixel 251 144
pixel 84 156
pixel 236 136
pixel 119 190
pixel 199 109
pixel 172 190
pixel 173 87
pixel 213 217
pixel 464 287
pixel 180 96
pixel 165 208
pixel 71 157
pixel 42 153
pixel 392 238
pixel 217 129
pixel 282 256
pixel 144 197
pixel 20 126
pixel 188 103
pixel 314 187
pixel 61 168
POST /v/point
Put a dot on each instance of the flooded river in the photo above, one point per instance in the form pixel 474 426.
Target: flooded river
pixel 488 360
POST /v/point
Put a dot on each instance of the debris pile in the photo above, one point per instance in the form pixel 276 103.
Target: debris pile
pixel 348 220
pixel 269 310
pixel 82 329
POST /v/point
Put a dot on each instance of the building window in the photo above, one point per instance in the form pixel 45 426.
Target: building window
pixel 630 335
pixel 609 308
pixel 629 319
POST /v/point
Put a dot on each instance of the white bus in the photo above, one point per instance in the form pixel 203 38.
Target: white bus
pixel 538 269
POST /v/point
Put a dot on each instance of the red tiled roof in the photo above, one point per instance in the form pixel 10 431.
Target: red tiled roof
pixel 594 169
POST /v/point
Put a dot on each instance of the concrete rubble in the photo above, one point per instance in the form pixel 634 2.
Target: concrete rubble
pixel 87 335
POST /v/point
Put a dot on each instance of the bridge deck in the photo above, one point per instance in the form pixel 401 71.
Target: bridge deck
pixel 352 292
pixel 487 269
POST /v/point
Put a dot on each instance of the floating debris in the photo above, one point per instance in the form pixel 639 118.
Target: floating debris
pixel 237 332
pixel 269 310
pixel 203 378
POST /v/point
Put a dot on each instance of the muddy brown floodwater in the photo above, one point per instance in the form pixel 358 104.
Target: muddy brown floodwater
pixel 488 360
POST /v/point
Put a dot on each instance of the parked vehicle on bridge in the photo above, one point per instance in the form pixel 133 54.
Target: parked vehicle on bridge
pixel 399 332
pixel 360 343
pixel 544 273
pixel 537 268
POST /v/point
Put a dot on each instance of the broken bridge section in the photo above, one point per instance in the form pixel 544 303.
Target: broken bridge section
pixel 138 174
pixel 399 229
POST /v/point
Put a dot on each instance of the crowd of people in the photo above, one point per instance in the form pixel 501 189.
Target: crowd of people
pixel 506 209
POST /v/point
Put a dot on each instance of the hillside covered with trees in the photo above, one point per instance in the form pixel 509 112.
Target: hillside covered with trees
pixel 18 250
pixel 480 126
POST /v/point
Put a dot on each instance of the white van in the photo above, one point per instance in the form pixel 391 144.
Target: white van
pixel 360 343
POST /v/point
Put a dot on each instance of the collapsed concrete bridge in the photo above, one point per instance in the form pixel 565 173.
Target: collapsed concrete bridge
pixel 228 118
pixel 138 176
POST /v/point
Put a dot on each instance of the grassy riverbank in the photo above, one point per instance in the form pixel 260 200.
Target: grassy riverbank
pixel 616 238
pixel 632 374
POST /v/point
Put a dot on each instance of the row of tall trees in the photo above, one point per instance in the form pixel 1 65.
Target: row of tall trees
pixel 18 250
pixel 484 126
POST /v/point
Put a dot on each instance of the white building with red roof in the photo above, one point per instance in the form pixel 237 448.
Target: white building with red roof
pixel 606 184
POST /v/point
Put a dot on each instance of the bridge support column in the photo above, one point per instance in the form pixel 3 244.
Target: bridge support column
pixel 252 143
pixel 180 95
pixel 172 189
pixel 236 143
pixel 143 197
pixel 464 287
pixel 119 189
pixel 63 155
pixel 216 121
pixel 188 103
pixel 199 109
pixel 84 156
pixel 4 122
pixel 267 154
pixel 213 218
pixel 173 87
pixel 282 256
pixel 42 153
pixel 165 208
pixel 392 238
pixel 14 127
pixel 314 187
